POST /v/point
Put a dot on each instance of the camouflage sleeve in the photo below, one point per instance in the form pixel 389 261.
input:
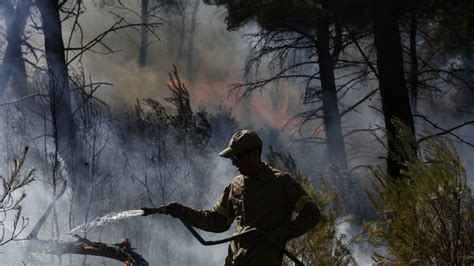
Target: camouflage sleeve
pixel 218 219
pixel 308 212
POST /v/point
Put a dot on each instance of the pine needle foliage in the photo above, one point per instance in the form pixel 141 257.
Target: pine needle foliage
pixel 427 216
pixel 321 245
pixel 191 129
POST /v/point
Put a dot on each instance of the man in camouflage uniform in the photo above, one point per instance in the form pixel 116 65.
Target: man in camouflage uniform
pixel 261 197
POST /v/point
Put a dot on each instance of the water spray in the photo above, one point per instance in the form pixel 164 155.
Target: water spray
pixel 111 217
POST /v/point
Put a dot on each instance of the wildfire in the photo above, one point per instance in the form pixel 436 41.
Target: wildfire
pixel 88 246
pixel 262 107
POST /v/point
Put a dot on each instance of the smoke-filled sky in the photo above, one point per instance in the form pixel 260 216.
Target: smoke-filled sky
pixel 217 61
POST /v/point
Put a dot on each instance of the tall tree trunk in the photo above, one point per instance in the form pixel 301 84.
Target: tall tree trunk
pixel 171 32
pixel 393 90
pixel 58 73
pixel 331 118
pixel 13 65
pixel 144 34
pixel 182 30
pixel 468 62
pixel 63 125
pixel 191 38
pixel 413 62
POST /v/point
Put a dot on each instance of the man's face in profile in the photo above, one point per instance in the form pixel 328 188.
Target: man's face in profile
pixel 247 163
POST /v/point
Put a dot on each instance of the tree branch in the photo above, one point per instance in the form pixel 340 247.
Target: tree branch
pixel 445 131
pixel 359 102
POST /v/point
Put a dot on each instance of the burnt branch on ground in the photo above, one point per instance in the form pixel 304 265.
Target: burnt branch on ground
pixel 120 251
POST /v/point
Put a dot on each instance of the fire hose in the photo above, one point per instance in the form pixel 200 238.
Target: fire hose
pixel 201 240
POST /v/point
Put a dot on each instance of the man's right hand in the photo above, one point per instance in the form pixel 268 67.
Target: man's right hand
pixel 174 209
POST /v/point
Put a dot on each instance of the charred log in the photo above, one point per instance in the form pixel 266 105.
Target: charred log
pixel 120 251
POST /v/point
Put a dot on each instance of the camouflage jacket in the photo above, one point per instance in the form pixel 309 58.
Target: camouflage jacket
pixel 265 202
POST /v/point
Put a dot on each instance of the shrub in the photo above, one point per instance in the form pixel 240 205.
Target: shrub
pixel 426 217
pixel 11 197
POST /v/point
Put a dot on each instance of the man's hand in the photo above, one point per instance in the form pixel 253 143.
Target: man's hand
pixel 174 209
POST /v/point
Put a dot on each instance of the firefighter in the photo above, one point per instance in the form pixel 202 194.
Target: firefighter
pixel 260 197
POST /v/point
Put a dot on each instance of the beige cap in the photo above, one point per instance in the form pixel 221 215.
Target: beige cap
pixel 241 141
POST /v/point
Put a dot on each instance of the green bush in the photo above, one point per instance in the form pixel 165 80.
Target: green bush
pixel 426 217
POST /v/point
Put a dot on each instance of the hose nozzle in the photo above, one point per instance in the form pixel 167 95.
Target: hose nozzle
pixel 159 210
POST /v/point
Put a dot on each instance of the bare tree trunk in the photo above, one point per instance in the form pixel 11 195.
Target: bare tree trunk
pixel 170 31
pixel 13 65
pixel 182 29
pixel 191 39
pixel 60 100
pixel 331 118
pixel 59 78
pixel 394 92
pixel 144 34
pixel 413 62
pixel 469 65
